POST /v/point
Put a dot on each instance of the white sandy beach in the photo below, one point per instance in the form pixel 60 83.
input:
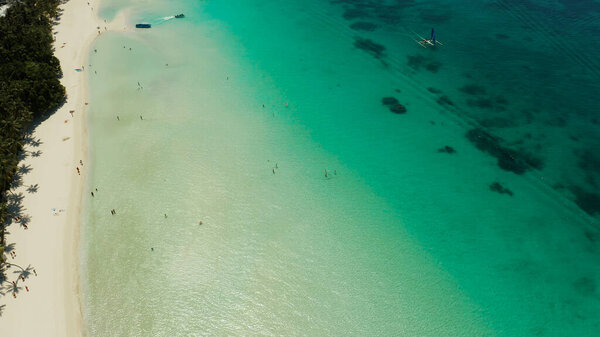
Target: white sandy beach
pixel 51 306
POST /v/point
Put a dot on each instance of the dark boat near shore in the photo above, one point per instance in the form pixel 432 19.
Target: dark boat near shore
pixel 179 16
pixel 143 25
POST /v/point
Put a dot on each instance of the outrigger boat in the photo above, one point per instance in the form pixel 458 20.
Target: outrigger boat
pixel 431 42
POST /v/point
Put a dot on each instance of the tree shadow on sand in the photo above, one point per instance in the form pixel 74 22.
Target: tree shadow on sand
pixel 20 274
pixel 14 206
pixel 29 139
pixel 33 188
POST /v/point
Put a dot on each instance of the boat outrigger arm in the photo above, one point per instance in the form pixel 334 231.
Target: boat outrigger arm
pixel 431 42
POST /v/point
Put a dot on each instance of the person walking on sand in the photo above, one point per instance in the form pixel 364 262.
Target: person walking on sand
pixel 141 118
pixel 92 194
pixel 81 162
pixel 118 118
pixel 78 172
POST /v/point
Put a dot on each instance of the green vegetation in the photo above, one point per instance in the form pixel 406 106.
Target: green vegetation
pixel 29 83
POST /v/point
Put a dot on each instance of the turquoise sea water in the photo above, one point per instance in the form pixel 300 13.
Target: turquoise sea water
pixel 248 105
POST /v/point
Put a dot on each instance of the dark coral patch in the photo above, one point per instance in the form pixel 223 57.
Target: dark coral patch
pixel 498 122
pixel 366 26
pixel 446 149
pixel 375 49
pixel 434 90
pixel 389 101
pixel 589 162
pixel 433 66
pixel 355 13
pixel 444 100
pixel 398 108
pixel 483 103
pixel 394 105
pixel 587 201
pixel 508 159
pixel 497 187
pixel 473 89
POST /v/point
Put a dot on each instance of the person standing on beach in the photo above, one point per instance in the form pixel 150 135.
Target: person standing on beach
pixel 78 172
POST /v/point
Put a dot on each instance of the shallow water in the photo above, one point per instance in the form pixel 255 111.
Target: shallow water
pixel 323 213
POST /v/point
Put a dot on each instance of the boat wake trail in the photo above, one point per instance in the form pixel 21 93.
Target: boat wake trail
pixel 162 20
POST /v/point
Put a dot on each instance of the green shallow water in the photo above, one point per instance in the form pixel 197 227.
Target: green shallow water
pixel 398 239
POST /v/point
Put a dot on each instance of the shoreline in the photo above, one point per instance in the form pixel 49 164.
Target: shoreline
pixel 51 243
